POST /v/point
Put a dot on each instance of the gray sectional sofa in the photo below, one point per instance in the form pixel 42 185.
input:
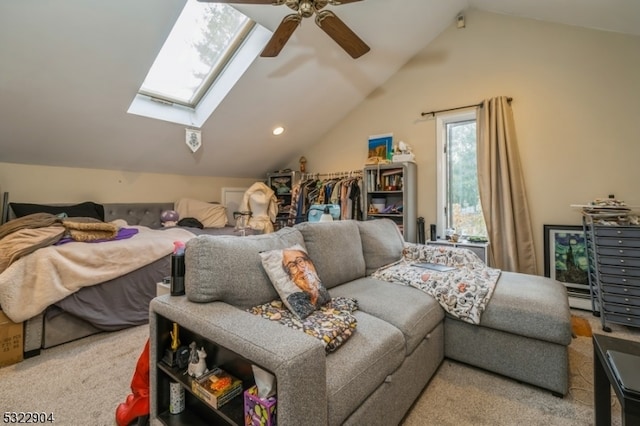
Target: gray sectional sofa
pixel 402 334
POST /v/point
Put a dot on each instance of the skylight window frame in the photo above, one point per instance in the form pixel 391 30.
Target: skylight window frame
pixel 232 49
pixel 195 117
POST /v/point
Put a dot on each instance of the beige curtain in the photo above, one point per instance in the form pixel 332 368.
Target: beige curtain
pixel 502 190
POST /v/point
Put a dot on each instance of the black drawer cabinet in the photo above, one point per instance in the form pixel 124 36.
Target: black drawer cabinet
pixel 614 269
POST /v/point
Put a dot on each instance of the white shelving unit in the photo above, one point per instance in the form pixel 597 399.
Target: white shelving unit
pixel 393 186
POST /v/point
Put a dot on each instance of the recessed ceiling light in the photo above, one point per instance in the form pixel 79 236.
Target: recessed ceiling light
pixel 278 131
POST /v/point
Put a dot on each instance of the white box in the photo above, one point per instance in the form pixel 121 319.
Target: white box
pixel 402 158
pixel 162 288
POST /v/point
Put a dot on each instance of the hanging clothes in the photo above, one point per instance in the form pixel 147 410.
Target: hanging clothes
pixel 345 191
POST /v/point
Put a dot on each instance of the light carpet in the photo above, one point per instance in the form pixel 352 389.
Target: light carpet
pixel 462 395
pixel 82 382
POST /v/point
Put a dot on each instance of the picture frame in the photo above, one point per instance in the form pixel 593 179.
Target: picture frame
pixel 565 256
pixel 231 198
pixel 381 146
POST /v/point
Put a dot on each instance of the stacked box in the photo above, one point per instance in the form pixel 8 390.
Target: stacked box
pixel 259 411
pixel 217 387
pixel 11 346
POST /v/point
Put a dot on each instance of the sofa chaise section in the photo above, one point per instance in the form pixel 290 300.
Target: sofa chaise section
pixel 523 334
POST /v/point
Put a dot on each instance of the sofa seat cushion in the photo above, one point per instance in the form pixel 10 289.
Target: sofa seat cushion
pixel 361 365
pixel 530 306
pixel 336 250
pixel 412 311
pixel 333 324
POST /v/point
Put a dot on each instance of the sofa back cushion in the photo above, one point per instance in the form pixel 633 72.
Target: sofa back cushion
pixel 335 249
pixel 382 243
pixel 229 268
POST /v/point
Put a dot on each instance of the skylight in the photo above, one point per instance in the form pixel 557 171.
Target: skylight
pixel 209 48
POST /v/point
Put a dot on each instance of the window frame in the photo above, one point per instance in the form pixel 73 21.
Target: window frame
pixel 210 80
pixel 248 49
pixel 442 172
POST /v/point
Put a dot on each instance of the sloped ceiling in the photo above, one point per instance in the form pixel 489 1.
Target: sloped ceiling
pixel 69 70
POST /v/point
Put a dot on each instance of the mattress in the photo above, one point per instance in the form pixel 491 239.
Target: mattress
pixel 113 305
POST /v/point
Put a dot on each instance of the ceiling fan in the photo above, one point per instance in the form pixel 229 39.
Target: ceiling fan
pixel 325 19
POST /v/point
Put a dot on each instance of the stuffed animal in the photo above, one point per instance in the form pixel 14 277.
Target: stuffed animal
pixel 169 218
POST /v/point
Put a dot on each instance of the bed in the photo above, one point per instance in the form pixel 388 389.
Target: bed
pixel 115 303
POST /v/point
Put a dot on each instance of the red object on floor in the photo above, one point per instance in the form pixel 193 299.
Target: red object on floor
pixel 137 403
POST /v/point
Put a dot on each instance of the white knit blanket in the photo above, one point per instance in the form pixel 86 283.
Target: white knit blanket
pixel 50 274
pixel 463 292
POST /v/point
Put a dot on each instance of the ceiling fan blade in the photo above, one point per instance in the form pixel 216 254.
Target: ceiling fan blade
pixel 341 34
pixel 281 35
pixel 274 2
pixel 339 2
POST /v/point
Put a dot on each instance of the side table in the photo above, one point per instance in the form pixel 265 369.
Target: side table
pixel 604 379
pixel 480 249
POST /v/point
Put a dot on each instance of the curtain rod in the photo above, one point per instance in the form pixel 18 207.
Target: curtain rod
pixel 433 113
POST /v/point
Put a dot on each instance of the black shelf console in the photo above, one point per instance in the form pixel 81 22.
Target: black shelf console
pixel 197 412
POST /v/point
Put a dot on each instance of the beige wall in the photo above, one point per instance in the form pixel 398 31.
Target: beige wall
pixel 576 105
pixel 43 184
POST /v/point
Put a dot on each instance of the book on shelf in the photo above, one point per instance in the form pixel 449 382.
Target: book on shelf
pixel 217 387
pixel 391 172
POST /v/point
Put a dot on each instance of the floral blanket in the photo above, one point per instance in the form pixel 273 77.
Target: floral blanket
pixel 463 292
pixel 333 323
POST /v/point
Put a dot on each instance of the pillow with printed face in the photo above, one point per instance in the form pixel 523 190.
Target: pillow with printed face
pixel 296 280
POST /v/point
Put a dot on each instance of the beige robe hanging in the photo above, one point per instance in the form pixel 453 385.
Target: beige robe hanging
pixel 262 202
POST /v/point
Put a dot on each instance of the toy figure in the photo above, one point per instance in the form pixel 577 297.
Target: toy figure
pixel 197 364
pixel 169 218
pixel 175 341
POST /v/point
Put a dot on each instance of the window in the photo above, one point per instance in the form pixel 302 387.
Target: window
pixel 209 48
pixel 458 196
pixel 200 44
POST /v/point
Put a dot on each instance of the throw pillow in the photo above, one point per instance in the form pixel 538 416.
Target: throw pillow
pixel 210 215
pixel 86 209
pixel 296 280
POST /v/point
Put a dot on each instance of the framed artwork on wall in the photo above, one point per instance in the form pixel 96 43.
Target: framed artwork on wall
pixel 381 147
pixel 565 256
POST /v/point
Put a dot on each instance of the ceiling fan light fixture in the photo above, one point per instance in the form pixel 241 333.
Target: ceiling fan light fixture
pixel 292 4
pixel 325 19
pixel 306 9
pixel 319 4
pixel 277 131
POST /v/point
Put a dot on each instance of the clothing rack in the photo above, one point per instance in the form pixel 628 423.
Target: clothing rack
pixel 433 113
pixel 320 189
pixel 331 175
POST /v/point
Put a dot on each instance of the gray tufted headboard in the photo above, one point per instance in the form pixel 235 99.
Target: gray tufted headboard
pixel 145 214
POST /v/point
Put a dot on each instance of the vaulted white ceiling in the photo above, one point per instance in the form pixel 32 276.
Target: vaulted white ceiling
pixel 69 70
